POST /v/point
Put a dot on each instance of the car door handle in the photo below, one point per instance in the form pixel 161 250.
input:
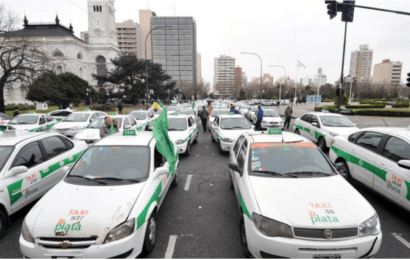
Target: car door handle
pixel 381 164
pixel 351 150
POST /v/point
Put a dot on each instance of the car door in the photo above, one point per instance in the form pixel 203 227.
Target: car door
pixel 194 130
pixel 50 121
pixel 24 188
pixel 304 125
pixel 133 122
pixel 215 127
pixel 315 131
pixel 42 122
pixel 393 181
pixel 364 154
pixel 126 124
pixel 159 161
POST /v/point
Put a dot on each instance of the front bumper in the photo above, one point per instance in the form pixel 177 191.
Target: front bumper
pixel 226 146
pixel 262 246
pixel 268 125
pixel 129 247
pixel 181 148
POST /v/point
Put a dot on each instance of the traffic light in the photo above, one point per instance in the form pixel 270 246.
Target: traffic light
pixel 348 11
pixel 408 80
pixel 332 8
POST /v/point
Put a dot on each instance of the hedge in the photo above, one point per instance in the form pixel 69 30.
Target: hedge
pixel 330 108
pixel 365 106
pixel 12 107
pixel 383 112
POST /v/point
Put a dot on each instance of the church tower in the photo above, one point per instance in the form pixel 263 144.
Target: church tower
pixel 101 22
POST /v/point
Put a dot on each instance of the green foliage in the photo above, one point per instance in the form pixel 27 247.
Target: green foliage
pixel 345 100
pixel 365 106
pixel 11 107
pixel 401 104
pixel 383 112
pixel 105 107
pixel 373 102
pixel 327 100
pixel 242 95
pixel 330 108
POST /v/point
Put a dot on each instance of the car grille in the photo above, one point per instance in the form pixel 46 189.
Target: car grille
pixel 70 239
pixel 74 242
pixel 320 233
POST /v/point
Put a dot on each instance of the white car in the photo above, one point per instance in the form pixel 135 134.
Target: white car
pixel 76 122
pixel 294 204
pixel 32 122
pixel 4 128
pixel 251 114
pixel 145 117
pixel 156 113
pixel 92 133
pixel 183 131
pixel 106 206
pixel 321 127
pixel 267 102
pixel 61 114
pixel 378 158
pixel 30 165
pixel 4 119
pixel 227 128
pixel 186 111
pixel 217 112
pixel 271 119
pixel 243 109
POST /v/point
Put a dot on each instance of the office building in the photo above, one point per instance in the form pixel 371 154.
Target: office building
pixel 145 28
pixel 307 81
pixel 128 34
pixel 361 64
pixel 238 75
pixel 323 80
pixel 387 72
pixel 224 75
pixel 198 68
pixel 175 47
pixel 267 79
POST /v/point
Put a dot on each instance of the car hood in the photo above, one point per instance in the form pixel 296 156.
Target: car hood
pixel 177 135
pixel 82 211
pixel 325 202
pixel 25 127
pixel 342 130
pixel 67 125
pixel 234 134
pixel 272 119
pixel 88 134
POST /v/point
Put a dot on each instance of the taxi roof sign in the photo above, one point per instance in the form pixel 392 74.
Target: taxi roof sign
pixel 231 113
pixel 87 110
pixel 31 113
pixel 129 132
pixel 325 111
pixel 114 114
pixel 274 131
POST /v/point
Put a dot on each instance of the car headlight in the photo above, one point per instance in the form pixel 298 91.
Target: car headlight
pixel 264 122
pixel 26 233
pixel 370 226
pixel 53 129
pixel 122 231
pixel 228 140
pixel 271 228
pixel 180 141
pixel 333 134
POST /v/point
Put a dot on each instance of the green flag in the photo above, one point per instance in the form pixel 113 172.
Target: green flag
pixel 112 130
pixel 164 144
pixel 193 106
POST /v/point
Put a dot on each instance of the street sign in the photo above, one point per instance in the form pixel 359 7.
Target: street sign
pixel 348 11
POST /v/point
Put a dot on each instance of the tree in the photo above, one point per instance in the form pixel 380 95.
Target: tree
pixel 197 90
pixel 60 89
pixel 242 95
pixel 211 95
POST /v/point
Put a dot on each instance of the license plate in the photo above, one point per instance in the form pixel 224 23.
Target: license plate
pixel 327 256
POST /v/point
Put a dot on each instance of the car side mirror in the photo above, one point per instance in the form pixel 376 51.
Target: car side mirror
pixel 339 166
pixel 15 171
pixel 127 127
pixel 315 124
pixel 235 167
pixel 161 171
pixel 404 164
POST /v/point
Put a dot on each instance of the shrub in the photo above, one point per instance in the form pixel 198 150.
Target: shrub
pixel 11 107
pixel 104 107
pixel 345 100
pixel 330 108
pixel 365 106
pixel 401 104
pixel 383 112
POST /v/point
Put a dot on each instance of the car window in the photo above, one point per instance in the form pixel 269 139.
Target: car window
pixel 133 122
pixel 42 120
pixel 29 156
pixel 69 144
pixel 313 119
pixel 126 122
pixel 57 113
pixel 396 149
pixel 54 146
pixel 158 159
pixel 189 122
pixel 352 138
pixel 67 113
pixel 216 122
pixel 242 154
pixel 370 140
pixel 305 118
pixel 49 119
pixel 94 116
pixel 237 145
pixel 5 152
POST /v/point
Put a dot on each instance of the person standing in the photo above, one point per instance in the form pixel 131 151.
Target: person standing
pixel 16 112
pixel 120 108
pixel 288 114
pixel 106 128
pixel 259 118
pixel 204 118
pixel 233 110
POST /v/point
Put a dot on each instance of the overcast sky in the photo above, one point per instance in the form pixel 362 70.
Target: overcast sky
pixel 280 31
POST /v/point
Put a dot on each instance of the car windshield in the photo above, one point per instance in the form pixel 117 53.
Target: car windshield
pixel 139 115
pixel 24 120
pixel 336 121
pixel 289 160
pixel 99 122
pixel 244 107
pixel 5 152
pixel 235 123
pixel 131 164
pixel 185 112
pixel 77 117
pixel 270 113
pixel 4 116
pixel 177 124
pixel 217 112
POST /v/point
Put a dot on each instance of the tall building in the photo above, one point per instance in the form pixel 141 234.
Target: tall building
pixel 198 68
pixel 306 81
pixel 267 79
pixel 224 75
pixel 361 63
pixel 175 47
pixel 238 75
pixel 145 28
pixel 323 80
pixel 387 72
pixel 128 34
pixel 244 79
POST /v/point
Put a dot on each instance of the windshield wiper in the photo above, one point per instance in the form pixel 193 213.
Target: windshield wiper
pixel 83 177
pixel 277 173
pixel 118 179
pixel 312 173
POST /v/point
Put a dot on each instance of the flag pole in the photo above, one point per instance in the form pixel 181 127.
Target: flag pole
pixel 296 83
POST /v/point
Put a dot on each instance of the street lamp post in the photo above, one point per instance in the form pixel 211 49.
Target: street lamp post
pixel 320 81
pixel 280 85
pixel 260 91
pixel 350 80
pixel 146 61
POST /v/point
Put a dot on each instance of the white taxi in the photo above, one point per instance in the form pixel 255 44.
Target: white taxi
pixel 378 158
pixel 294 204
pixel 92 133
pixel 106 206
pixel 271 119
pixel 32 122
pixel 4 119
pixel 145 117
pixel 76 122
pixel 217 112
pixel 227 128
pixel 30 165
pixel 156 113
pixel 321 127
pixel 243 109
pixel 251 114
pixel 183 131
pixel 61 114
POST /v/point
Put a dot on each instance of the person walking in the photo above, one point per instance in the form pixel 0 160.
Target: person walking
pixel 259 118
pixel 204 118
pixel 288 114
pixel 120 108
pixel 16 112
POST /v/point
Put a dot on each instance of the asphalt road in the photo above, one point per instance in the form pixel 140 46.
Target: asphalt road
pixel 201 217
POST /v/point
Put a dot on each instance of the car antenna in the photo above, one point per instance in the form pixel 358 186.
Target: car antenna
pixel 385 123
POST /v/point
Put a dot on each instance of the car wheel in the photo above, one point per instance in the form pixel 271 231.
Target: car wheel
pixel 146 128
pixel 244 240
pixel 196 138
pixel 188 149
pixel 150 234
pixel 212 138
pixel 175 182
pixel 3 223
pixel 297 131
pixel 322 144
pixel 220 147
pixel 344 171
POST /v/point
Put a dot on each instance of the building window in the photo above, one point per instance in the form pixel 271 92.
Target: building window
pixel 79 56
pixel 59 70
pixel 81 73
pixel 58 54
pixel 101 66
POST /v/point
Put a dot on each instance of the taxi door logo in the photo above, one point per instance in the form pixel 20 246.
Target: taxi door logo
pixel 395 183
pixel 63 226
pixel 29 192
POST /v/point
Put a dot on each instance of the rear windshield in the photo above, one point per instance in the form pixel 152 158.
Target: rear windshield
pixel 80 117
pixel 5 152
pixel 270 113
pixel 139 115
pixel 177 124
pixel 235 123
pixel 219 112
pixel 24 120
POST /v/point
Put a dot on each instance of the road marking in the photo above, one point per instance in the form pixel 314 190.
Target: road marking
pixel 404 241
pixel 188 182
pixel 171 246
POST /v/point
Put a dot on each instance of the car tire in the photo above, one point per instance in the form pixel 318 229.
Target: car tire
pixel 188 149
pixel 196 138
pixel 150 235
pixel 175 181
pixel 244 240
pixel 220 147
pixel 345 172
pixel 146 128
pixel 212 138
pixel 322 144
pixel 297 131
pixel 3 223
